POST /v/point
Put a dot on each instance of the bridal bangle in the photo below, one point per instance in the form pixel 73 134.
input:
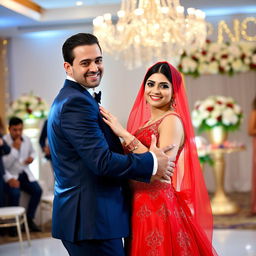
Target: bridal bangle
pixel 133 145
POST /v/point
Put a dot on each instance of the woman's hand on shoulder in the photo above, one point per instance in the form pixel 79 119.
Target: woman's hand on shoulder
pixel 113 122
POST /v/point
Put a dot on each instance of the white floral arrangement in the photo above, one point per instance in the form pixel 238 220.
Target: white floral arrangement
pixel 217 111
pixel 219 58
pixel 29 106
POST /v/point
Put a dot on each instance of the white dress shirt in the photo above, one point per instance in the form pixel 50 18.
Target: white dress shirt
pixel 14 161
pixel 91 91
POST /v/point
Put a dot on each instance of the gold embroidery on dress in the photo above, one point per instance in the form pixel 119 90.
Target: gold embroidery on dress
pixel 144 212
pixel 182 213
pixel 153 194
pixel 163 212
pixel 184 242
pixel 154 239
pixel 170 194
pixel 137 196
pixel 179 214
pixel 153 252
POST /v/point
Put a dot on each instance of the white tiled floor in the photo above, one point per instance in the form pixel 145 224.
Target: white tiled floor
pixel 226 242
pixel 235 242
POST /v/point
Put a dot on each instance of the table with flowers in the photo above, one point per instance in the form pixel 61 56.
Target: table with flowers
pixel 221 203
pixel 217 115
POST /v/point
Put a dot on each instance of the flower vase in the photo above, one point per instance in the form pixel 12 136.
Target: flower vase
pixel 31 127
pixel 217 135
pixel 31 123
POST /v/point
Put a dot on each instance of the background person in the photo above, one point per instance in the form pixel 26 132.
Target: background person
pixel 18 176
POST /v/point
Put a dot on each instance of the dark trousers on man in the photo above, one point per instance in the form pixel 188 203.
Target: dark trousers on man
pixel 110 247
pixel 32 188
pixel 1 190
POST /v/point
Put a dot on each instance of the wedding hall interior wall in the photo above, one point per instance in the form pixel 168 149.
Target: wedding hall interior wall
pixel 36 65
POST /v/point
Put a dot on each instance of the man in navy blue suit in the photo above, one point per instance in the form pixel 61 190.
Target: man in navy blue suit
pixel 91 206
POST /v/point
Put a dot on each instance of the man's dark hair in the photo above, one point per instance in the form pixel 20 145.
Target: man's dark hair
pixel 15 121
pixel 77 40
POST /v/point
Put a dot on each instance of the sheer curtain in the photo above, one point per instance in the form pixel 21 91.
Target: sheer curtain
pixel 242 87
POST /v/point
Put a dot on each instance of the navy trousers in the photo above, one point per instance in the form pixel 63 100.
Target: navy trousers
pixel 32 188
pixel 111 247
pixel 1 190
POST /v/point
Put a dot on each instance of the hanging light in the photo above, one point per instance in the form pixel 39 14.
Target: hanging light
pixel 150 30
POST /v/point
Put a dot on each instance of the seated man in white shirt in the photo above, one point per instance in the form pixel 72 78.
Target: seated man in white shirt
pixel 18 175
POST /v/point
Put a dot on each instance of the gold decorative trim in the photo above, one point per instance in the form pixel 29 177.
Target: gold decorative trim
pixel 31 5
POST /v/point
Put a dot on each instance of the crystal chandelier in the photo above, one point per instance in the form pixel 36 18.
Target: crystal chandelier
pixel 150 30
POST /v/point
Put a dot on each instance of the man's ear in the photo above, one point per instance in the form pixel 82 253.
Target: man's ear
pixel 67 67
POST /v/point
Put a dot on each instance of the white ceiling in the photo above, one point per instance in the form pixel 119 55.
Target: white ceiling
pixel 187 3
pixel 57 12
pixel 48 4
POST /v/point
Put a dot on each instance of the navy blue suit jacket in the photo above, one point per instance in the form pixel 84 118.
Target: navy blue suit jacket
pixel 90 172
pixel 43 138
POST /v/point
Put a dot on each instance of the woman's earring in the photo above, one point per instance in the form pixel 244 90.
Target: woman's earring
pixel 173 103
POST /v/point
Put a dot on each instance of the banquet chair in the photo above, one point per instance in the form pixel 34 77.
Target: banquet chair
pixel 46 205
pixel 15 216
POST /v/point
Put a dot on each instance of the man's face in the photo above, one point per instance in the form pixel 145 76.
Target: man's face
pixel 16 131
pixel 87 67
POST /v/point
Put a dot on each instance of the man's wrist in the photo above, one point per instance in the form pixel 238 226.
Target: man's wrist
pixel 155 166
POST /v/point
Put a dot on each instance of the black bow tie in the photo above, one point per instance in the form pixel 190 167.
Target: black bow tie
pixel 97 96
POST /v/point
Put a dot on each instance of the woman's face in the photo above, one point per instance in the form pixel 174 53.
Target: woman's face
pixel 158 91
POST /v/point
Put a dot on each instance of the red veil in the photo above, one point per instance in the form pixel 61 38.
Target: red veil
pixel 188 178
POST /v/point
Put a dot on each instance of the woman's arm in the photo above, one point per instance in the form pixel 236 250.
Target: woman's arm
pixel 135 146
pixel 171 132
pixel 252 124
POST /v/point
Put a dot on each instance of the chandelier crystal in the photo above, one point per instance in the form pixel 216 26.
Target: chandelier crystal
pixel 150 30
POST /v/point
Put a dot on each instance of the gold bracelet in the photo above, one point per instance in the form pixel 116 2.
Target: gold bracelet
pixel 133 145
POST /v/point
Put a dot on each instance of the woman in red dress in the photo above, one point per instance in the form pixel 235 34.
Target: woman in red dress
pixel 168 217
pixel 252 132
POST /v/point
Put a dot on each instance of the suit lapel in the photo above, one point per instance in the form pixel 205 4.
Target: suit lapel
pixel 112 140
pixel 80 88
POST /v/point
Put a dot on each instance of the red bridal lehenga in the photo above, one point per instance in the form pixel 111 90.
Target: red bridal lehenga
pixel 170 219
pixel 162 224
